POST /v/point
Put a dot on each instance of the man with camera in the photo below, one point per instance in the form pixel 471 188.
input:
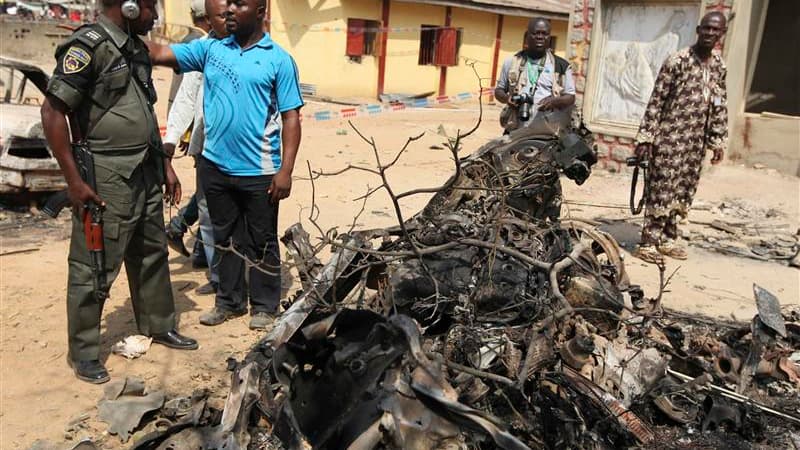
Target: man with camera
pixel 534 79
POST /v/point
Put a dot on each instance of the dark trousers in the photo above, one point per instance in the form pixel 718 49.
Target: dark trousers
pixel 133 233
pixel 242 214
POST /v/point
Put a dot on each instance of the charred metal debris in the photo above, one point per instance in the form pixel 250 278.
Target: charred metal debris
pixel 485 321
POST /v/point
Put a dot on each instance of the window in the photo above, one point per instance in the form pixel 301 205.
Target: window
pixel 775 79
pixel 427 44
pixel 361 37
pixel 438 46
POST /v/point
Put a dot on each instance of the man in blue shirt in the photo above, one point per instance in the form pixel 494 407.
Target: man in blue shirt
pixel 251 108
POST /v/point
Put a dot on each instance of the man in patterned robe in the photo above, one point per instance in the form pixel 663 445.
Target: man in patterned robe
pixel 686 115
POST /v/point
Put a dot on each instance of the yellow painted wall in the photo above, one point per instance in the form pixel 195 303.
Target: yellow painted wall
pixel 559 30
pixel 477 43
pixel 320 55
pixel 403 73
pixel 513 36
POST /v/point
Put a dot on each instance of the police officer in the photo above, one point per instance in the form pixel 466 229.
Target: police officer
pixel 103 79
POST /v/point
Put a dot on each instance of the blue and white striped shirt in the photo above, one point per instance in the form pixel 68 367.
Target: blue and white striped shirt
pixel 245 92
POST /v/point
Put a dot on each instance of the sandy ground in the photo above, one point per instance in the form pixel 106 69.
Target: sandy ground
pixel 40 397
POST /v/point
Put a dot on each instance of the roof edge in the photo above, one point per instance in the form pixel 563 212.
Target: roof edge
pixel 498 9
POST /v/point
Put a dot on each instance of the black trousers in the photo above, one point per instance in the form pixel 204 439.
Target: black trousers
pixel 242 214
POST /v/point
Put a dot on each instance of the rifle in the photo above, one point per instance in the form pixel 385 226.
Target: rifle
pixel 637 164
pixel 92 212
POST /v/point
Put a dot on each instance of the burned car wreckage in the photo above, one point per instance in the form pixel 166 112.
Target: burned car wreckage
pixel 26 163
pixel 484 321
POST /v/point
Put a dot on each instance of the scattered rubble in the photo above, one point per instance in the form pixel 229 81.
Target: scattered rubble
pixel 486 322
pixel 125 403
pixel 737 228
pixel 734 227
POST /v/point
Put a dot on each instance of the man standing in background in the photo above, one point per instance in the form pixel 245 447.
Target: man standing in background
pixel 202 25
pixel 187 109
pixel 189 214
pixel 687 115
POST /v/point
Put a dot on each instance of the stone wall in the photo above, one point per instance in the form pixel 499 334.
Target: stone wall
pixel 612 150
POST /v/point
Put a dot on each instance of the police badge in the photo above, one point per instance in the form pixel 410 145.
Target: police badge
pixel 76 60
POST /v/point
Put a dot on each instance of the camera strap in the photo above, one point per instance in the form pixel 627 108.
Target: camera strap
pixel 534 71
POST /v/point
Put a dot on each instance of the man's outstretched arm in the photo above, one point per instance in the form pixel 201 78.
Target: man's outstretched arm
pixel 162 55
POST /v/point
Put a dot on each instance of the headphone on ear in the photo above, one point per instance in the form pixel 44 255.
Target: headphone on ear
pixel 130 9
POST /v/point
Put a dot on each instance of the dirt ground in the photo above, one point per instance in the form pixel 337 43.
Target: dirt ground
pixel 42 400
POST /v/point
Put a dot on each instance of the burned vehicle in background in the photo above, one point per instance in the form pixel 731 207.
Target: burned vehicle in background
pixel 27 165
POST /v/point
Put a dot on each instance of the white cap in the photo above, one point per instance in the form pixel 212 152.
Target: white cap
pixel 197 8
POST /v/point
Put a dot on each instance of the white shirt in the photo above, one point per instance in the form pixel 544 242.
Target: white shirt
pixel 187 107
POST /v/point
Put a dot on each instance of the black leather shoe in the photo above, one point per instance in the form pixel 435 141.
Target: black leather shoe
pixel 90 371
pixel 175 242
pixel 174 340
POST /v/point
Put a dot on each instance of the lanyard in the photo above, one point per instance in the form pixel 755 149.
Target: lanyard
pixel 534 70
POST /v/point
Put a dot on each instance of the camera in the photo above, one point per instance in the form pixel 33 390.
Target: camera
pixel 634 161
pixel 524 102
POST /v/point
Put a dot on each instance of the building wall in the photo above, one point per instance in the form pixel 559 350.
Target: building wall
pixel 315 34
pixel 403 73
pixel 177 12
pixel 477 44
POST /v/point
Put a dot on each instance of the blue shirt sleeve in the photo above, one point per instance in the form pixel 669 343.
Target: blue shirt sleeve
pixel 287 85
pixel 191 56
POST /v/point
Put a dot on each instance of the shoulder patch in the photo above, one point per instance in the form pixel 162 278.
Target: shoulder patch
pixel 75 60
